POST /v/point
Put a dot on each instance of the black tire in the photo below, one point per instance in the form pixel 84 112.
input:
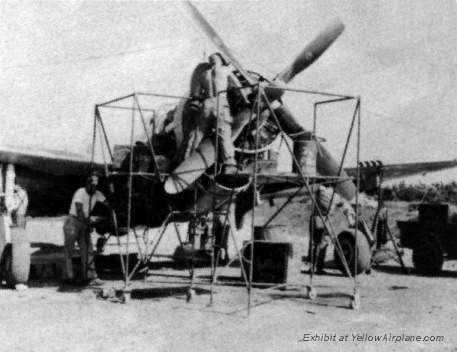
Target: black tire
pixel 347 243
pixel 428 255
pixel 5 265
pixel 20 257
pixel 183 255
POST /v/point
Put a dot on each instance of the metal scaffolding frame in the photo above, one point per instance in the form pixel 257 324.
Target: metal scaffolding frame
pixel 99 128
pixel 306 182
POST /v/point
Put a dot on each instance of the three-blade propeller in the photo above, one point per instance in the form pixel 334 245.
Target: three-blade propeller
pixel 326 164
pixel 306 57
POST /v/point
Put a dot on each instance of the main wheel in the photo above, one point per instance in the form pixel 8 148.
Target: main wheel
pixel 348 245
pixel 428 255
pixel 16 260
pixel 5 265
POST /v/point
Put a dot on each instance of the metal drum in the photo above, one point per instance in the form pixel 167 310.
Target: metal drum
pixel 273 233
pixel 305 151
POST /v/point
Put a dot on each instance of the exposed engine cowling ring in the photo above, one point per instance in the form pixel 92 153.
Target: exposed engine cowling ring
pixel 220 192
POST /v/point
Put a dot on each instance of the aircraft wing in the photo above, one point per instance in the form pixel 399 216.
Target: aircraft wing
pixel 273 184
pixel 49 176
pixel 393 171
pixel 53 162
pixel 390 171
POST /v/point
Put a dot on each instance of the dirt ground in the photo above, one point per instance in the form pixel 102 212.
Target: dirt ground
pixel 394 306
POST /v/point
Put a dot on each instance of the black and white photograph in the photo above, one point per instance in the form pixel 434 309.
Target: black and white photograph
pixel 211 175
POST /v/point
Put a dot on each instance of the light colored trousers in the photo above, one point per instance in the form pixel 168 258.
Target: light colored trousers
pixel 76 231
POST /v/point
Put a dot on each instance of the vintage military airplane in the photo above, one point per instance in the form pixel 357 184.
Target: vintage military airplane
pixel 51 177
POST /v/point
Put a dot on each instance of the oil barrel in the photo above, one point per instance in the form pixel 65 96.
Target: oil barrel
pixel 305 151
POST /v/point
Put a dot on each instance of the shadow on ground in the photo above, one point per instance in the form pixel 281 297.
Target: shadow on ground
pixel 397 270
pixel 163 292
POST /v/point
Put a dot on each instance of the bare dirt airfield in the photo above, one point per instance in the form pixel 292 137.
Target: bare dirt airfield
pixel 48 317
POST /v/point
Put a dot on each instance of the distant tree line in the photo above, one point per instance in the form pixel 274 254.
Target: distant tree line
pixel 432 193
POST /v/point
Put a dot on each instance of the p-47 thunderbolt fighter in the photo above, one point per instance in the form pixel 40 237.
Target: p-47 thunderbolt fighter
pixel 240 95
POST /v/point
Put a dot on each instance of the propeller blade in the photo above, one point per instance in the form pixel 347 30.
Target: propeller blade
pixel 217 40
pixel 326 164
pixel 312 51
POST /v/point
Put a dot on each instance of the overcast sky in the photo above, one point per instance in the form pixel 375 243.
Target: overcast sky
pixel 60 58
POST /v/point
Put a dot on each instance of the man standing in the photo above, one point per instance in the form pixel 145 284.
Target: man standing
pixel 327 200
pixel 77 228
pixel 18 207
pixel 209 108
